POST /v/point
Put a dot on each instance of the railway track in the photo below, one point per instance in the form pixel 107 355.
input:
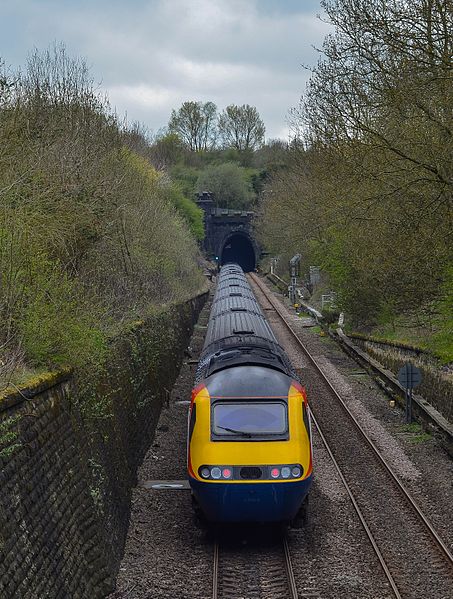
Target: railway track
pixel 259 569
pixel 415 560
pixel 386 379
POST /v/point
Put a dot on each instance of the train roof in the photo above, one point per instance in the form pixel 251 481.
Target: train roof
pixel 234 314
pixel 238 332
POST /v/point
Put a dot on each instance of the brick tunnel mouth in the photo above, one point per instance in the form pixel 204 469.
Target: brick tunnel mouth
pixel 239 249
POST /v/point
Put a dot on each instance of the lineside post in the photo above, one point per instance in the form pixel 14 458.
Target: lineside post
pixel 409 377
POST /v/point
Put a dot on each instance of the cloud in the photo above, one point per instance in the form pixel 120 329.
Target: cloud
pixel 151 55
pixel 142 95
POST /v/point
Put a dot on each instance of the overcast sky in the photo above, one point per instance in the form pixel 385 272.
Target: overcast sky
pixel 152 55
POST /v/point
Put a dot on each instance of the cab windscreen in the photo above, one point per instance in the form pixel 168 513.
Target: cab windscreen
pixel 253 419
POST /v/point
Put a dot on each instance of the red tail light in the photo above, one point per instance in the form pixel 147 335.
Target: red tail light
pixel 301 390
pixel 195 391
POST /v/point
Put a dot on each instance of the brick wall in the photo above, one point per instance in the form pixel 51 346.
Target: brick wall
pixel 66 473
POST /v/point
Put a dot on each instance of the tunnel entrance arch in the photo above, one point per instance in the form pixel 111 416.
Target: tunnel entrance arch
pixel 238 248
pixel 229 234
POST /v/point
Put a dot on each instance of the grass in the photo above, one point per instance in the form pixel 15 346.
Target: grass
pixel 420 330
pixel 316 329
pixel 415 433
pixel 19 376
pixel 413 427
pixel 422 438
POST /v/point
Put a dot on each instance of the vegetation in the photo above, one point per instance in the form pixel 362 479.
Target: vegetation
pixel 366 190
pixel 241 127
pixel 91 234
pixel 415 434
pixel 224 154
pixel 194 123
pixel 227 181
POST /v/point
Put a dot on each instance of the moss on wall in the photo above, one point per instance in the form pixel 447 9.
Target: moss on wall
pixel 69 454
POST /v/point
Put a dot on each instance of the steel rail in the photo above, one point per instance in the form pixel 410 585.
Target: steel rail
pixel 215 571
pixel 359 513
pixel 293 594
pixel 440 544
pixel 289 570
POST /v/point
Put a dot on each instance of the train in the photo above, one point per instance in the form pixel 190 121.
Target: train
pixel 249 448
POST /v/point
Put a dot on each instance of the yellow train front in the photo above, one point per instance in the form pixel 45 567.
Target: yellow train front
pixel 249 452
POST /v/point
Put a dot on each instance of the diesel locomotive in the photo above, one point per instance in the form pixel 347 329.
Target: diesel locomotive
pixel 249 453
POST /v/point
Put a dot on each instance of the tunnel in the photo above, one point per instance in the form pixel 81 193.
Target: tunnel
pixel 239 249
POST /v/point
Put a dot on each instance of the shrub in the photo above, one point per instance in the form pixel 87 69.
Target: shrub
pixel 90 233
pixel 230 185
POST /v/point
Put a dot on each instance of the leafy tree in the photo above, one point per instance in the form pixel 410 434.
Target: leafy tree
pixel 195 124
pixel 273 155
pixel 166 151
pixel 241 127
pixel 230 185
pixel 443 340
pixel 369 182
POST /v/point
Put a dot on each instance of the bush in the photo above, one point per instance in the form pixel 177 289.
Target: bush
pixel 230 185
pixel 188 209
pixel 330 315
pixel 58 324
pixel 90 233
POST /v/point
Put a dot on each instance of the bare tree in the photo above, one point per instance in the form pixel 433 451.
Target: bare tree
pixel 195 123
pixel 241 127
pixel 386 81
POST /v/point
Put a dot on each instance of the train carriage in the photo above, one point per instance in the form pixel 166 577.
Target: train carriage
pixel 249 455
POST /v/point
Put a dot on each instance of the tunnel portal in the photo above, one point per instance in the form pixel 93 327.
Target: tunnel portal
pixel 229 234
pixel 239 249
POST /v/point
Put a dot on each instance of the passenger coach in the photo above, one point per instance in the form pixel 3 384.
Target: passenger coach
pixel 249 453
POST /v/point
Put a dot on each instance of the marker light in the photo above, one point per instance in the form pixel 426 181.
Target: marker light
pixel 205 472
pixel 296 472
pixel 226 473
pixel 286 472
pixel 216 473
pixel 275 472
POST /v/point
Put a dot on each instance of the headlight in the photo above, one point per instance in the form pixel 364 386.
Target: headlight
pixel 205 472
pixel 216 472
pixel 285 471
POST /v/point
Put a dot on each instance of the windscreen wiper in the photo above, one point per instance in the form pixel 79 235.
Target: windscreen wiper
pixel 235 431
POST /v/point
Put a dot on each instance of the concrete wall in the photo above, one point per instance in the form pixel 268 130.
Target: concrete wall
pixel 68 462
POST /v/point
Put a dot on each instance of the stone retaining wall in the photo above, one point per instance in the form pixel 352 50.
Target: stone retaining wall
pixel 67 471
pixel 436 387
